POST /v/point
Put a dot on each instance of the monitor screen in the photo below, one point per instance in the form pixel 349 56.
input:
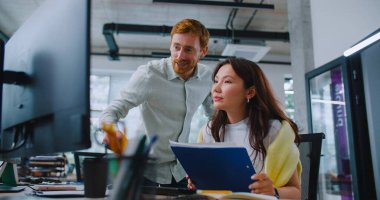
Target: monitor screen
pixel 45 97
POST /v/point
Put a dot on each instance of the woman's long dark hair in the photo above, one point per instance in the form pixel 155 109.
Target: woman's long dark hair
pixel 260 109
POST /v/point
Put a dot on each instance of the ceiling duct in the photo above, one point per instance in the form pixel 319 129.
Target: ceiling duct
pixel 112 28
pixel 167 54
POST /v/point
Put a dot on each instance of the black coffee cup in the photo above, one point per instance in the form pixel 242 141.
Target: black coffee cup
pixel 95 177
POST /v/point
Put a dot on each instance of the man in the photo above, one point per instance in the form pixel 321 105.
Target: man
pixel 168 92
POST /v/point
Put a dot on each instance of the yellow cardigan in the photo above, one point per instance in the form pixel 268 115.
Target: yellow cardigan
pixel 282 156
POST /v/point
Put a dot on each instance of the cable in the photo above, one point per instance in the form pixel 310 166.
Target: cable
pixel 31 188
pixel 252 16
pixel 230 21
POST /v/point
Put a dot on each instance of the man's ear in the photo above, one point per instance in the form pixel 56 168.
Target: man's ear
pixel 204 52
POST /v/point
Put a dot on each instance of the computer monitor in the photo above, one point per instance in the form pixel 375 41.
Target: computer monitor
pixel 1 56
pixel 45 97
pixel 2 44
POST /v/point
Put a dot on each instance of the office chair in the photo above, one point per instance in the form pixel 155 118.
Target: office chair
pixel 310 154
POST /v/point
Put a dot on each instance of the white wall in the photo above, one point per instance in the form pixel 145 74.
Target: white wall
pixel 339 24
pixel 276 75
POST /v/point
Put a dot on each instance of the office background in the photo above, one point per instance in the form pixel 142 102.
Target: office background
pixel 319 31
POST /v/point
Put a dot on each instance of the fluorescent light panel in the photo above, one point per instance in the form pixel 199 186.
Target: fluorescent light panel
pixel 251 52
pixel 362 45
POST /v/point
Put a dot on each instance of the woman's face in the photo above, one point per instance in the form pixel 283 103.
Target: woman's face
pixel 228 90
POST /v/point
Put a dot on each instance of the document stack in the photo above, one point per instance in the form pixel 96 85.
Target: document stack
pixel 47 166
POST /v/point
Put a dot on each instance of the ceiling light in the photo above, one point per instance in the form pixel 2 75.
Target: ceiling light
pixel 362 44
pixel 251 52
pixel 220 3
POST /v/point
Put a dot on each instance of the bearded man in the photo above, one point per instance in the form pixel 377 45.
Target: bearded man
pixel 168 93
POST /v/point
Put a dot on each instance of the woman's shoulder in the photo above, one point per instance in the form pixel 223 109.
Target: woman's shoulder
pixel 274 128
pixel 206 133
pixel 206 128
pixel 274 125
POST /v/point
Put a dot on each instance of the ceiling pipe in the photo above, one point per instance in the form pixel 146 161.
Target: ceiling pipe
pixel 112 28
pixel 206 57
pixel 167 54
pixel 219 3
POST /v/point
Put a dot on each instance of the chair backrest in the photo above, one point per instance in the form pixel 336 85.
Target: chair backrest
pixel 310 155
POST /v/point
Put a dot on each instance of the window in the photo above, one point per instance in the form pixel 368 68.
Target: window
pixel 289 97
pixel 99 92
pixel 99 97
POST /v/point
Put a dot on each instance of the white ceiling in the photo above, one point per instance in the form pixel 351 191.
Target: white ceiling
pixel 144 12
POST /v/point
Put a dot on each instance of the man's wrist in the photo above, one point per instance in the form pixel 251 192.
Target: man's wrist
pixel 276 194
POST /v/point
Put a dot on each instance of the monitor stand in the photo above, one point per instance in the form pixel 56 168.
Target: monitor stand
pixel 9 177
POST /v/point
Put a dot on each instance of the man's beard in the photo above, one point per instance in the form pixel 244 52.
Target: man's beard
pixel 183 66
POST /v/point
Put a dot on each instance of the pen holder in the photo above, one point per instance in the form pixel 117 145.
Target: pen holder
pixel 129 172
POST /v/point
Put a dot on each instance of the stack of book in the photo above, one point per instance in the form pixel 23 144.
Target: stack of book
pixel 47 166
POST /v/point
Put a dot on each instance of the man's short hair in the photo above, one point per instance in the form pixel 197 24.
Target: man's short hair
pixel 192 26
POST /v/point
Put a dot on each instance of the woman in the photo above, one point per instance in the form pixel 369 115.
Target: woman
pixel 248 115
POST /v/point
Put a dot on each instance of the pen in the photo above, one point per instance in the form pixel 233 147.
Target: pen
pixel 214 191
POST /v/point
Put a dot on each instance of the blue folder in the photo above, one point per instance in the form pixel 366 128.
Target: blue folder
pixel 215 167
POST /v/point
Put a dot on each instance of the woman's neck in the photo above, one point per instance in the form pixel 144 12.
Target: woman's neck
pixel 235 117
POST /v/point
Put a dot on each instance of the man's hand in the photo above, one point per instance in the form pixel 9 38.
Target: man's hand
pixel 116 140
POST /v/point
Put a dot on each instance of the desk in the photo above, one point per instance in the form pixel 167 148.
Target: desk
pixel 28 194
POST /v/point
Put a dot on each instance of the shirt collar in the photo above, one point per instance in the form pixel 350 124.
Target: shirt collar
pixel 172 75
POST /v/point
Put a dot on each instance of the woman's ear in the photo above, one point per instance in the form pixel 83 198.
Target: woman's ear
pixel 251 92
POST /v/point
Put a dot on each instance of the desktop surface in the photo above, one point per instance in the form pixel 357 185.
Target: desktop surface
pixel 148 193
pixel 29 193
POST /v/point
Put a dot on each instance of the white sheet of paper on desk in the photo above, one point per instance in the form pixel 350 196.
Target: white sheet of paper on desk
pixel 72 193
pixel 57 187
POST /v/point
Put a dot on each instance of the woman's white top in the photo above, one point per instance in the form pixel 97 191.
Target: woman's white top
pixel 238 134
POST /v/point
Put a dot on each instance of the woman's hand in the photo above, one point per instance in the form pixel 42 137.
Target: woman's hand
pixel 190 184
pixel 262 184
